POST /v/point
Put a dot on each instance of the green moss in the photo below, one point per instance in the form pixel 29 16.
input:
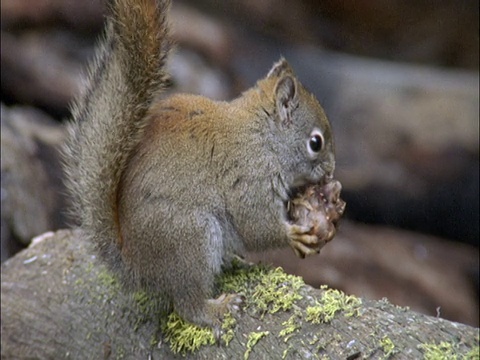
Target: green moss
pixel 89 267
pixel 332 302
pixel 108 281
pixel 274 290
pixel 313 340
pixel 447 351
pixel 277 291
pixel 227 336
pixel 253 339
pixel 153 341
pixel 473 354
pixel 229 321
pixel 291 325
pixel 236 278
pixel 185 337
pixel 148 307
pixel 228 325
pixel 442 351
pixel 388 346
pixel 269 290
pixel 120 353
pixel 286 351
pixel 143 302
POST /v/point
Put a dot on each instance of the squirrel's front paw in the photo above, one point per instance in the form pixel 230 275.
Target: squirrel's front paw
pixel 302 241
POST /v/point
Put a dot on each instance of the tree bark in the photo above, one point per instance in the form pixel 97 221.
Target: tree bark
pixel 59 301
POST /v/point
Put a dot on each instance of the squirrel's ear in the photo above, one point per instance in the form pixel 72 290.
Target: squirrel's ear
pixel 279 68
pixel 286 98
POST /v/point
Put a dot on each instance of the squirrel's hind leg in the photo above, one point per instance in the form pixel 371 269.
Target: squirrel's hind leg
pixel 192 295
pixel 193 302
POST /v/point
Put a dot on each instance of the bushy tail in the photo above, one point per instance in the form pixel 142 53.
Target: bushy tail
pixel 109 117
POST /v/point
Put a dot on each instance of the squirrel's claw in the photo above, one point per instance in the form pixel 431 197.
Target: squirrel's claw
pixel 301 250
pixel 219 307
pixel 302 241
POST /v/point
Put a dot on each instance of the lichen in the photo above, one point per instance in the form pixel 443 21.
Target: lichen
pixel 277 291
pixel 253 339
pixel 185 337
pixel 120 352
pixel 269 290
pixel 153 341
pixel 447 351
pixel 274 290
pixel 291 325
pixel 235 278
pixel 441 351
pixel 473 354
pixel 388 346
pixel 332 302
pixel 286 351
pixel 142 300
pixel 108 281
pixel 228 325
pixel 147 306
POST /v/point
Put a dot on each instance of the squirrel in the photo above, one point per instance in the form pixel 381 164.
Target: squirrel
pixel 168 188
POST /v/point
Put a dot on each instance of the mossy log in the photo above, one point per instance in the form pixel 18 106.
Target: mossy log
pixel 60 302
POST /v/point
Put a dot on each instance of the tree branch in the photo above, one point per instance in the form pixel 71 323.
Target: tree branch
pixel 58 301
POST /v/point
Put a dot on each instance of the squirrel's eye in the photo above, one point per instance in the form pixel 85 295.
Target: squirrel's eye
pixel 316 142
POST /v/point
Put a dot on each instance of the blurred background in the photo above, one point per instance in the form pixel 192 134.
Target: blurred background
pixel 398 79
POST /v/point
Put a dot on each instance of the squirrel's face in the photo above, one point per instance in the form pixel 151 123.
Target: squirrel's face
pixel 314 147
pixel 307 151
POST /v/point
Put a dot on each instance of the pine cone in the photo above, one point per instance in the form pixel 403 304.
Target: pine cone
pixel 320 208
